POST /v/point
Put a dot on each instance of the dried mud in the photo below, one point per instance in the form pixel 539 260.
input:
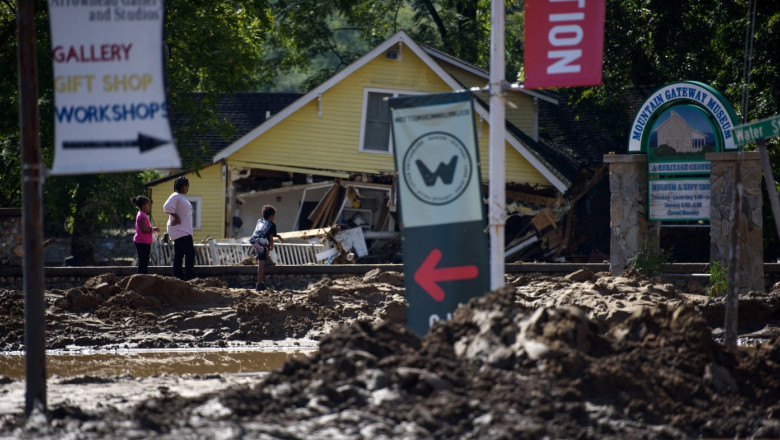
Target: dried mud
pixel 587 356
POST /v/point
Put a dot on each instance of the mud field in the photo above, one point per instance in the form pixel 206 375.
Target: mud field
pixel 587 356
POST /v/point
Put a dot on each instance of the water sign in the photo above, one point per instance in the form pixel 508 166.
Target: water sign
pixel 756 130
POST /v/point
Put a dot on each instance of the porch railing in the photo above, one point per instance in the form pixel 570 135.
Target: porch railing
pixel 214 253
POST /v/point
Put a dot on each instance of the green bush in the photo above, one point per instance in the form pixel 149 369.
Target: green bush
pixel 719 279
pixel 650 260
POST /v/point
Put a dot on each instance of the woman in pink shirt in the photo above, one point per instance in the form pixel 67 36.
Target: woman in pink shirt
pixel 144 230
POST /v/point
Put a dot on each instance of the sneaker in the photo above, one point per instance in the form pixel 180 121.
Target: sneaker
pixel 260 287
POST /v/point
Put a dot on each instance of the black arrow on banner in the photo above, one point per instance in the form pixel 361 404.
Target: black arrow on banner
pixel 144 143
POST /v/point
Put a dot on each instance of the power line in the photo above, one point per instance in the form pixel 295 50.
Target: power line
pixel 750 31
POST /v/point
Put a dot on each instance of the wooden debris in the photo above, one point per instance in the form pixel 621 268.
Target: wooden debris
pixel 544 219
pixel 534 199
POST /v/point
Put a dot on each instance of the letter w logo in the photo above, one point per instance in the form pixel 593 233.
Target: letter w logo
pixel 445 171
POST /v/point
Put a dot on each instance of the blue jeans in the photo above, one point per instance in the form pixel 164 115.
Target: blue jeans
pixel 184 249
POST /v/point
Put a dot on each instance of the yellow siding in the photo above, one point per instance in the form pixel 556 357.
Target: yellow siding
pixel 521 117
pixel 518 170
pixel 210 188
pixel 331 141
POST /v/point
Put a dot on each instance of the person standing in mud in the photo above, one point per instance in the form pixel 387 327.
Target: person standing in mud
pixel 179 211
pixel 263 241
pixel 144 232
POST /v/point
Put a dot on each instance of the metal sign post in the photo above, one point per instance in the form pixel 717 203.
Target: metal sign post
pixel 497 178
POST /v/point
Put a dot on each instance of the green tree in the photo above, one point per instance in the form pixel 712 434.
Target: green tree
pixel 342 31
pixel 653 42
pixel 212 47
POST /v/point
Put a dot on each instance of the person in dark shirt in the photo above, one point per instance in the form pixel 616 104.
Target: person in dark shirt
pixel 263 241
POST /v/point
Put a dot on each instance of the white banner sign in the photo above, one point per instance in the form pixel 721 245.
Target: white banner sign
pixel 110 110
pixel 436 158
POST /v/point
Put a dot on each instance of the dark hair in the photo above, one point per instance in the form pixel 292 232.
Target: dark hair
pixel 179 183
pixel 140 201
pixel 268 211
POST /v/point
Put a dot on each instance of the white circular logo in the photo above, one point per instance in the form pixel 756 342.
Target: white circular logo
pixel 437 168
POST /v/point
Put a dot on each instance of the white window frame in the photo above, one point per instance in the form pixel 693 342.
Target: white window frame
pixel 363 115
pixel 197 224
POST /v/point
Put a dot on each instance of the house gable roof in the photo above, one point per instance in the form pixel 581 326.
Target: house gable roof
pixel 440 56
pixel 558 179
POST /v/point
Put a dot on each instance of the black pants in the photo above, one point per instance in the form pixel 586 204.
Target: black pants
pixel 144 249
pixel 184 249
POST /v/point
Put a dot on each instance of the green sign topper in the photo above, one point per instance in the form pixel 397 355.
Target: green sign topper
pixel 690 93
pixel 676 126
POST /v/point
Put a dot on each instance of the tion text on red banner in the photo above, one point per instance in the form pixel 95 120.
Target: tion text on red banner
pixel 564 42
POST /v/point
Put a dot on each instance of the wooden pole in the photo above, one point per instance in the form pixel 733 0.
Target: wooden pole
pixel 732 294
pixel 32 195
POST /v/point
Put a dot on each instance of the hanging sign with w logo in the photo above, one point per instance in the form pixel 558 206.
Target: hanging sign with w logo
pixel 445 243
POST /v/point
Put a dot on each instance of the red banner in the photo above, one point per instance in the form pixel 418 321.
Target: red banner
pixel 564 43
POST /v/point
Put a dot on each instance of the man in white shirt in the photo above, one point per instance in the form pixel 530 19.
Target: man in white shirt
pixel 179 211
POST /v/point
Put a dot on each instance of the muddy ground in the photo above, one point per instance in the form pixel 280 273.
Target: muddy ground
pixel 587 356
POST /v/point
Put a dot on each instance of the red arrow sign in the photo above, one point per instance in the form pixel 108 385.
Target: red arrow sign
pixel 428 275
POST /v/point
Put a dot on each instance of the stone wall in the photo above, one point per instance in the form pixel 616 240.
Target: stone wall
pixel 749 218
pixel 11 237
pixel 629 227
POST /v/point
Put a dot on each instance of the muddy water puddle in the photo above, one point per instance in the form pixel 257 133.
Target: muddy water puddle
pixel 152 362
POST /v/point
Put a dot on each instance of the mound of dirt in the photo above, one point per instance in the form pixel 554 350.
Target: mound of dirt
pixel 588 356
pixel 153 311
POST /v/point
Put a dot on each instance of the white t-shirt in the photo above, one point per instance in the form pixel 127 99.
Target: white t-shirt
pixel 179 205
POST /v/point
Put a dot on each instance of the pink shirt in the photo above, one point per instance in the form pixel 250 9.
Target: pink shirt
pixel 141 236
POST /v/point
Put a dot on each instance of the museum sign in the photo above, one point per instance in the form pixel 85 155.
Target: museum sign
pixel 676 126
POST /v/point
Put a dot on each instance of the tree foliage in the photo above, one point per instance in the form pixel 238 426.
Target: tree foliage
pixel 341 31
pixel 653 42
pixel 212 47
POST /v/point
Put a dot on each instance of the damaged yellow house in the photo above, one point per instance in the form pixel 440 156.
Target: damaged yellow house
pixel 338 136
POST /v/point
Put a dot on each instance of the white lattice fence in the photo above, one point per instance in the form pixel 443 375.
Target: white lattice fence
pixel 295 253
pixel 215 253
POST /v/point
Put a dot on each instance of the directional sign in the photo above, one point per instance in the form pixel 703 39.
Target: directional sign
pixel 445 241
pixel 428 276
pixel 143 143
pixel 110 110
pixel 447 265
pixel 754 131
